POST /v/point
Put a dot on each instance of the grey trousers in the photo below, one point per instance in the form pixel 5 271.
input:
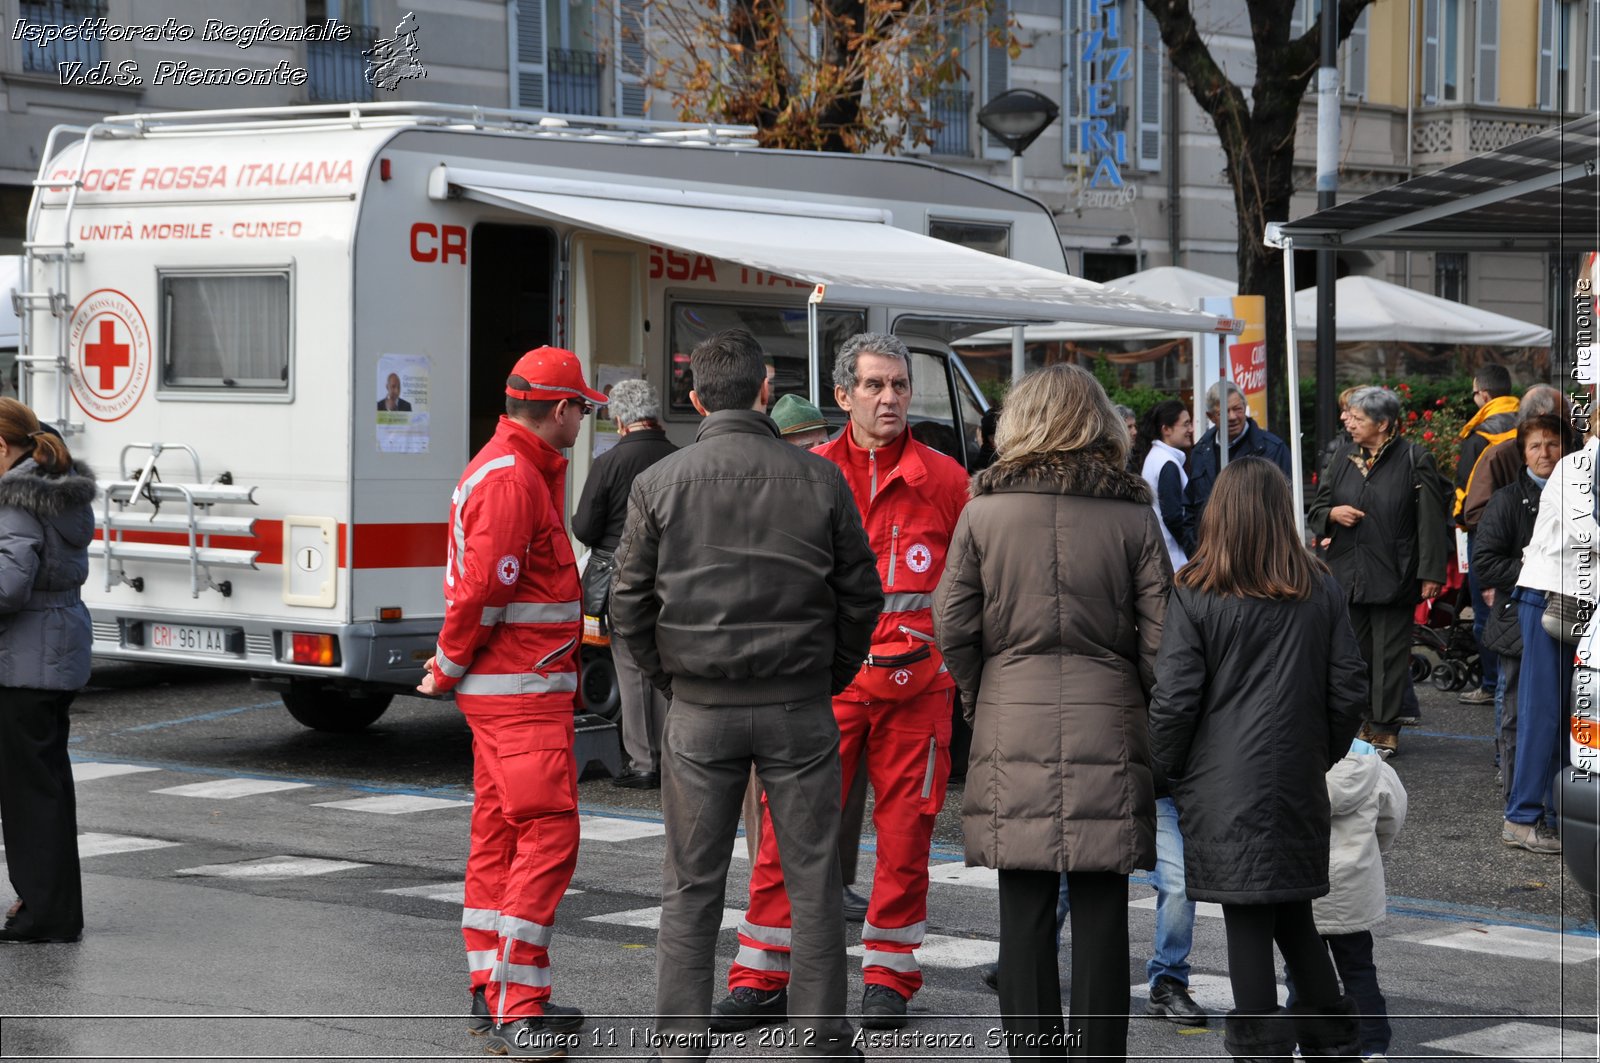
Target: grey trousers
pixel 705 769
pixel 644 710
pixel 850 820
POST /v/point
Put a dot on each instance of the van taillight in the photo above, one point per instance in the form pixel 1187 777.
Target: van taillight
pixel 313 649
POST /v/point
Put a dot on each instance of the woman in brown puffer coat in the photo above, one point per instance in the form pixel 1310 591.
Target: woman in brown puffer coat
pixel 1049 617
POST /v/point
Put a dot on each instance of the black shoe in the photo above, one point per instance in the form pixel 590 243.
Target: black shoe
pixel 17 935
pixel 882 1008
pixel 562 1019
pixel 989 974
pixel 1170 999
pixel 638 780
pixel 855 906
pixel 746 1008
pixel 479 1021
pixel 526 1039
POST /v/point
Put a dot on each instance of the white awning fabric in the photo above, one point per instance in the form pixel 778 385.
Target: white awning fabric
pixel 1169 284
pixel 858 260
pixel 1369 309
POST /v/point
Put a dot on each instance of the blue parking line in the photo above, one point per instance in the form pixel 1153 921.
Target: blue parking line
pixel 202 718
pixel 1412 732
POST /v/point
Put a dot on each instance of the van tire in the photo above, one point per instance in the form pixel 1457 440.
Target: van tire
pixel 598 688
pixel 332 710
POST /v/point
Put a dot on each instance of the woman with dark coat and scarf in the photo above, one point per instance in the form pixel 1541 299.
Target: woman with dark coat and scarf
pixel 1261 687
pixel 46 523
pixel 1048 615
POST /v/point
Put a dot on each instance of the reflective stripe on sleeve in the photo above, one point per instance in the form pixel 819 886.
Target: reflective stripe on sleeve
pixel 906 603
pixel 532 613
pixel 765 935
pixel 761 959
pixel 894 961
pixel 518 683
pixel 526 930
pixel 905 935
pixel 459 531
pixel 448 667
pixel 480 919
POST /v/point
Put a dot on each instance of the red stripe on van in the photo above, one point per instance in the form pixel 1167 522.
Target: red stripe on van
pixel 267 542
pixel 400 545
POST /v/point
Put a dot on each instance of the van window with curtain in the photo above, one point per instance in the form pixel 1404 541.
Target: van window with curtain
pixel 225 331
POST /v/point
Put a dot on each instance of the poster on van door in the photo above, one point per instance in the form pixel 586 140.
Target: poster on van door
pixel 403 403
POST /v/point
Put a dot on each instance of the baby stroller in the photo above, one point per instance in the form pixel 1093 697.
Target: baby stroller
pixel 1443 648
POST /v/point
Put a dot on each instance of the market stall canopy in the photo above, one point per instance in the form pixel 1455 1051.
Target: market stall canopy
pixel 1373 310
pixel 1539 194
pixel 853 251
pixel 1170 284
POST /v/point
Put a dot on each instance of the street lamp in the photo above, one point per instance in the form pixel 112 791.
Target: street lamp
pixel 1016 118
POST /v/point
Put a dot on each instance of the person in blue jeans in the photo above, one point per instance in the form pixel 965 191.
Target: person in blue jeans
pixel 1168 969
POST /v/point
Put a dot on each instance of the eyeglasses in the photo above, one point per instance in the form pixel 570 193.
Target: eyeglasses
pixel 585 408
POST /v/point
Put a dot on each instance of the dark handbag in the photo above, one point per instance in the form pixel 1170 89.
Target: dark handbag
pixel 598 575
pixel 1502 630
pixel 1566 618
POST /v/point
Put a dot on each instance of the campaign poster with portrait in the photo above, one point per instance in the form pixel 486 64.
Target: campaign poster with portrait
pixel 402 401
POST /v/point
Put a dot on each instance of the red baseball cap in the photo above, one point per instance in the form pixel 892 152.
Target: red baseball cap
pixel 552 374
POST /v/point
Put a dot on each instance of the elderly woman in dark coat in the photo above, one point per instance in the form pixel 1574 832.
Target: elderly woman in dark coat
pixel 46 523
pixel 1048 616
pixel 1380 511
pixel 1260 688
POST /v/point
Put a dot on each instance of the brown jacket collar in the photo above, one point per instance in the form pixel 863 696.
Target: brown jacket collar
pixel 1075 473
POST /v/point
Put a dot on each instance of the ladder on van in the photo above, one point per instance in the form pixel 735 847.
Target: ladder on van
pixel 189 517
pixel 56 297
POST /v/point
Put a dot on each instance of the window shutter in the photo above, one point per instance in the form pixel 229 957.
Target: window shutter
pixel 1430 51
pixel 1593 100
pixel 1488 51
pixel 630 23
pixel 996 71
pixel 1547 54
pixel 528 82
pixel 1151 95
pixel 1072 24
pixel 1355 67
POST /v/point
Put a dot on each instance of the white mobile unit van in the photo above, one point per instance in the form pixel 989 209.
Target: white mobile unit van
pixel 278 336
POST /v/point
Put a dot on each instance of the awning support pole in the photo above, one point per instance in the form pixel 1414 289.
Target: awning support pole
pixel 814 347
pixel 1298 479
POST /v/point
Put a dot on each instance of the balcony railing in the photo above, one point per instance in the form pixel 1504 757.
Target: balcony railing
pixel 48 60
pixel 337 69
pixel 953 107
pixel 574 81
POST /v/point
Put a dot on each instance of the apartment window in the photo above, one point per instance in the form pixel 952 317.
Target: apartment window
pixel 1450 276
pixel 336 70
pixel 996 74
pixel 227 331
pixel 526 18
pixel 1442 48
pixel 955 106
pixel 1352 51
pixel 48 60
pixel 572 61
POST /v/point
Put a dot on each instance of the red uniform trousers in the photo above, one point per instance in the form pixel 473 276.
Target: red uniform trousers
pixel 907 749
pixel 524 847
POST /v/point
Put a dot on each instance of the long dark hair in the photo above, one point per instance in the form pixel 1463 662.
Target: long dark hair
pixel 1248 547
pixel 21 429
pixel 1163 414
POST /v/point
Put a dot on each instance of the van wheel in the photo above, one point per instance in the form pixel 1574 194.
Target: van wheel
pixel 334 711
pixel 597 684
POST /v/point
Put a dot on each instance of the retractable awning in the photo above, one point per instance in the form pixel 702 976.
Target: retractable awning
pixel 853 251
pixel 1539 194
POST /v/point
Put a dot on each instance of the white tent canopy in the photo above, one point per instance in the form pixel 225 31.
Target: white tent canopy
pixel 1369 310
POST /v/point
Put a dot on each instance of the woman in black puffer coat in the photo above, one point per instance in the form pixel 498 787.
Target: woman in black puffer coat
pixel 46 523
pixel 1259 689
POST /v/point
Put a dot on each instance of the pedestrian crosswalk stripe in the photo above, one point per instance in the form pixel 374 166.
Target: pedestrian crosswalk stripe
pixel 650 918
pixel 1214 992
pixel 939 950
pixel 445 892
pixel 961 875
pixel 394 804
pixel 608 829
pixel 90 844
pixel 272 867
pixel 1209 909
pixel 1517 1041
pixel 88 770
pixel 228 789
pixel 1511 941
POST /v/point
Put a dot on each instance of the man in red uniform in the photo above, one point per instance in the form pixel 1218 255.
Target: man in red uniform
pixel 508 650
pixel 896 714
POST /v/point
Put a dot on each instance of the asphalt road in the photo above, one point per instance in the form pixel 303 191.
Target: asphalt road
pixel 205 940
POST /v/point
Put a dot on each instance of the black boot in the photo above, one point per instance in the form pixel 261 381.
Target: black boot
pixel 1329 1032
pixel 1265 1038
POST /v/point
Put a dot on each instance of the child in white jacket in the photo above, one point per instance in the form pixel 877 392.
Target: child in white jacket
pixel 1369 808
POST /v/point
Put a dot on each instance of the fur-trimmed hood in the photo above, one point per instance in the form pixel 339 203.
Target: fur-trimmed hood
pixel 45 496
pixel 1074 473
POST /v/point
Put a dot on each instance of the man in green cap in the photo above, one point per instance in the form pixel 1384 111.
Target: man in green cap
pixel 799 422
